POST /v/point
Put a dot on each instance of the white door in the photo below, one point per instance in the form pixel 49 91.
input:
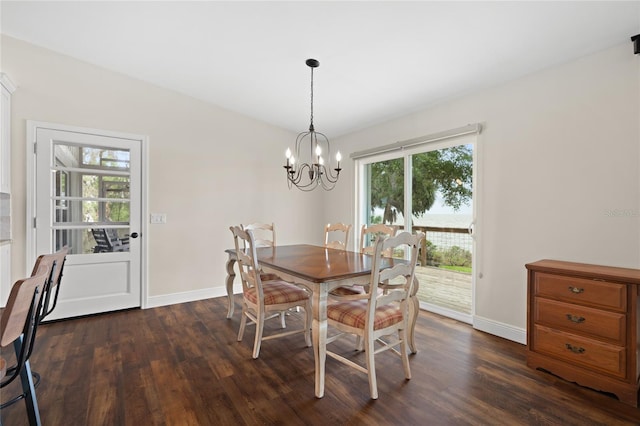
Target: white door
pixel 88 197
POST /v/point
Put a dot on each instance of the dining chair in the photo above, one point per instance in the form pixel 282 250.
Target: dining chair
pixel 264 233
pixel 265 236
pixel 370 233
pixel 261 299
pixel 333 230
pixel 375 316
pixel 55 263
pixel 17 326
pixel 368 236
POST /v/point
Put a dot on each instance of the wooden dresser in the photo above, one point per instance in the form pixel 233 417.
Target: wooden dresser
pixel 583 325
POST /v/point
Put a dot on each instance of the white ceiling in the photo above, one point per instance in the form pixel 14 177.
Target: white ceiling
pixel 378 60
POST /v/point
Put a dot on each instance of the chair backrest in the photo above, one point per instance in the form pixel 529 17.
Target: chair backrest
pixel 247 259
pixel 394 276
pixel 264 233
pixel 55 264
pixel 103 241
pixel 333 230
pixel 370 234
pixel 20 316
pixel 107 240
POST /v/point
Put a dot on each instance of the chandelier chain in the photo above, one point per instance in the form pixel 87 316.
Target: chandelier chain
pixel 311 121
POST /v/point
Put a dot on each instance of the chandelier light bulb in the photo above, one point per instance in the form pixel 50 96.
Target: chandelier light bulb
pixel 338 157
pixel 320 161
pixel 318 150
pixel 288 153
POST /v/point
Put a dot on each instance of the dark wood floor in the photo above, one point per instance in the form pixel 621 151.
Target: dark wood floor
pixel 181 365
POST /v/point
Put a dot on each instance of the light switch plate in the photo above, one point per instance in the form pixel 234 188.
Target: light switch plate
pixel 158 218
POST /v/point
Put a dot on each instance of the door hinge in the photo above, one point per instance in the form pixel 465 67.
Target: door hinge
pixel 35 147
pixel 35 222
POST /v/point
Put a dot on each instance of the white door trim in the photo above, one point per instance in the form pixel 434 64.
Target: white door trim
pixel 30 242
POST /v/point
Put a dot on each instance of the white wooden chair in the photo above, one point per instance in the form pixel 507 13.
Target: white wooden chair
pixel 258 300
pixel 369 234
pixel 374 314
pixel 333 230
pixel 264 233
pixel 265 236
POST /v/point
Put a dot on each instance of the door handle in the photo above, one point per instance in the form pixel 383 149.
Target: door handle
pixel 134 235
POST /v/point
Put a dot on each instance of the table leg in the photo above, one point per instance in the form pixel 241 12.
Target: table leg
pixel 414 309
pixel 230 276
pixel 319 330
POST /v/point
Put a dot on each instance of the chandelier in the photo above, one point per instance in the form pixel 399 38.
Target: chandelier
pixel 307 176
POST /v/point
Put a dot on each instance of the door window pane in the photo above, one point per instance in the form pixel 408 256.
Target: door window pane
pixel 92 189
pixel 94 240
pixel 385 195
pixel 441 201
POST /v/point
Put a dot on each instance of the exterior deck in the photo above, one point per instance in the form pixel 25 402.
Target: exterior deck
pixel 448 289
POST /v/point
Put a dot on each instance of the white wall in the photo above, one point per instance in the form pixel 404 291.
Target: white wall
pixel 560 174
pixel 209 168
pixel 560 163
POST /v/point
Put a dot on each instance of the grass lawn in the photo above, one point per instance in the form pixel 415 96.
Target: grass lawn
pixel 463 269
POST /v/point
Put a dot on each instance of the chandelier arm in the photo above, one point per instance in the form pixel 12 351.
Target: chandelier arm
pixel 329 176
pixel 298 175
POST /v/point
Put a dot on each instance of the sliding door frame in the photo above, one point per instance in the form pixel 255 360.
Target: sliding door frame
pixel 394 151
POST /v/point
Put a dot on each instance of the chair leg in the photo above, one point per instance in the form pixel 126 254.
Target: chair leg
pixel 26 377
pixel 243 324
pixel 404 354
pixel 359 345
pixel 371 366
pixel 260 316
pixel 282 321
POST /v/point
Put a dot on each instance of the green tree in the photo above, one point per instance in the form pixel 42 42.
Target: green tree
pixel 448 171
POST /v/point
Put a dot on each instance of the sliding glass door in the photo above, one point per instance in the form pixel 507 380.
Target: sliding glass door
pixel 429 189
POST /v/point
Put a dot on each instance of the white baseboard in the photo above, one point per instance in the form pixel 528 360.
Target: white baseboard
pixel 449 313
pixel 499 329
pixel 184 297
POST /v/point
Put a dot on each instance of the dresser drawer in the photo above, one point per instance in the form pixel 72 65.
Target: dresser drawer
pixel 590 322
pixel 581 351
pixel 582 291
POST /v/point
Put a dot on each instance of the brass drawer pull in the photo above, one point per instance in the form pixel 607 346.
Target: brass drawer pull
pixel 576 290
pixel 574 349
pixel 575 318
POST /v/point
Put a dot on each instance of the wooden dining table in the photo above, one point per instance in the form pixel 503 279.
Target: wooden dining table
pixel 320 270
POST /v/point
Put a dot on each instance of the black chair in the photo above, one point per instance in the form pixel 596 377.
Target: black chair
pixel 108 241
pixel 54 263
pixel 17 327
